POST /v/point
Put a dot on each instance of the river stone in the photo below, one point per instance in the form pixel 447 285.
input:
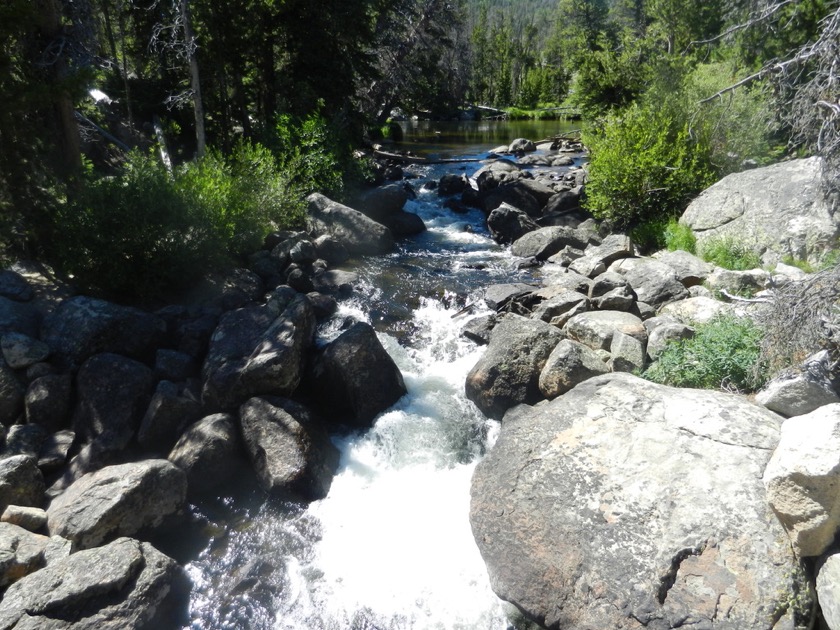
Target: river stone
pixel 588 266
pixel 563 202
pixel 798 392
pixel 451 184
pixel 780 208
pixel 509 371
pixel 212 455
pixel 627 353
pixel 538 190
pixel 522 144
pixel 291 452
pixel 113 393
pixel 173 408
pixel 29 518
pixel 354 379
pixel 545 242
pixel 331 249
pixel 21 552
pixel 47 401
pixel 654 282
pixel 803 479
pixel 126 584
pixel 21 482
pixel 118 500
pixel 21 351
pixel 690 269
pixel 498 296
pixel 508 224
pixel 54 451
pixel 828 590
pixel 627 504
pixel 697 310
pixel 382 202
pixel 569 364
pixel 596 328
pixel 479 329
pixel 404 223
pixel 226 290
pixel 663 330
pixel 257 350
pixel 83 326
pixel 359 234
pixel 19 317
pixel 614 247
pixel 559 308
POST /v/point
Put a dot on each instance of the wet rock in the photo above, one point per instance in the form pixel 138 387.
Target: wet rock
pixel 522 145
pixel 257 350
pixel 291 452
pixel 353 377
pixel 212 455
pixel 665 479
pixel 803 479
pixel 509 371
pixel 125 584
pixel 564 202
pixel 359 234
pixel 513 194
pixel 21 482
pixel 118 500
pixel 331 249
pixel 324 306
pixel 84 326
pixel 569 364
pixel 405 224
pixel 508 224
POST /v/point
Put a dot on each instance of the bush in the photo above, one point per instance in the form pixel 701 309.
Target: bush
pixel 729 253
pixel 679 236
pixel 722 354
pixel 146 233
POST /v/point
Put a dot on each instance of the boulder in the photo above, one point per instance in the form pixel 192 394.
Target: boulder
pixel 654 282
pixel 780 208
pixel 662 331
pixel 451 184
pixel 509 371
pixel 14 286
pixel 126 584
pixel 258 350
pixel 803 479
pixel 596 328
pixel 738 282
pixel 24 439
pixel 11 395
pixel 83 326
pixel 545 242
pixel 800 391
pixel 54 451
pixel 21 553
pixel 588 266
pixel 212 455
pixel 353 377
pixel 29 518
pixel 290 451
pixel 828 590
pixel 21 482
pixel 569 364
pixel 513 194
pixel 18 317
pixel 498 296
pixel 614 247
pixel 491 175
pixel 359 234
pixel 563 202
pixel 538 190
pixel 113 393
pixel 173 365
pixel 508 224
pixel 690 269
pixel 226 290
pixel 559 308
pixel 382 202
pixel 626 504
pixel 404 223
pixel 173 408
pixel 479 328
pixel 611 292
pixel 697 310
pixel 21 351
pixel 627 353
pixel 331 249
pixel 118 500
pixel 522 145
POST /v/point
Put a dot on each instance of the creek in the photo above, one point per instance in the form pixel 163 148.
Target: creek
pixel 390 547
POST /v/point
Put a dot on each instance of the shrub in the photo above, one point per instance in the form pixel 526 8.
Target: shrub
pixel 679 236
pixel 722 354
pixel 729 253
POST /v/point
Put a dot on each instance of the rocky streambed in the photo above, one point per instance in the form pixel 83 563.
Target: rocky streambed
pixel 312 426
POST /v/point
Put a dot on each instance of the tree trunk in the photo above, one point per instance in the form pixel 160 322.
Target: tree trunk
pixel 195 82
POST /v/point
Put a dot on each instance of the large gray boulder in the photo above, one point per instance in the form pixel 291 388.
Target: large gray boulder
pixel 291 452
pixel 47 401
pixel 21 482
pixel 828 590
pixel 513 194
pixel 212 454
pixel 257 350
pixel 509 371
pixel 690 269
pixel 22 552
pixel 626 504
pixel 654 282
pixel 800 391
pixel 545 242
pixel 117 501
pixel 173 408
pixel 382 202
pixel 569 364
pixel 18 317
pixel 780 208
pixel 354 379
pixel 596 328
pixel 83 326
pixel 803 479
pixel 508 224
pixel 126 584
pixel 359 234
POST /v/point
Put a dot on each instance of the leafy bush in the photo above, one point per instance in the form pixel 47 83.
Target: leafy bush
pixel 729 253
pixel 679 236
pixel 722 354
pixel 147 233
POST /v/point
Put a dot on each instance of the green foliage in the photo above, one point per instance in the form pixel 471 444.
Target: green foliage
pixel 146 233
pixel 679 236
pixel 645 165
pixel 722 354
pixel 649 236
pixel 730 253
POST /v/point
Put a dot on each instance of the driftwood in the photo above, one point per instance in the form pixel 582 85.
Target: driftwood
pixel 81 117
pixel 414 159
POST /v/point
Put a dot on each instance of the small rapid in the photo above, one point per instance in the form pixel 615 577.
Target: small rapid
pixel 390 547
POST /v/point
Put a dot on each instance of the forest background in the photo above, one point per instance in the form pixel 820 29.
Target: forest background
pixel 259 102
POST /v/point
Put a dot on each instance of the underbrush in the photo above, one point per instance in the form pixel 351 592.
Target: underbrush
pixel 729 253
pixel 723 353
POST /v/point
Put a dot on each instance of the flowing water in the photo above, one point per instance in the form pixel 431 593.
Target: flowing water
pixel 390 547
